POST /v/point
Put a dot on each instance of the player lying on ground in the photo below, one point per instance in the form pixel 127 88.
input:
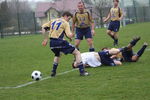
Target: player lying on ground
pixel 128 55
pixel 95 59
pixel 58 29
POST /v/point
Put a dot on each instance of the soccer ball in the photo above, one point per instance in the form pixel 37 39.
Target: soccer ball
pixel 36 75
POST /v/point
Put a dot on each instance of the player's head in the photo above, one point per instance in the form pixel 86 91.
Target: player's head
pixel 81 6
pixel 116 2
pixel 105 48
pixel 67 15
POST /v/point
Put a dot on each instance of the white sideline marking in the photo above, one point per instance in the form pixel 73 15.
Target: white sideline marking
pixel 148 49
pixel 32 82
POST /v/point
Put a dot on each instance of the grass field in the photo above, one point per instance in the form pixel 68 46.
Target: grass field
pixel 19 56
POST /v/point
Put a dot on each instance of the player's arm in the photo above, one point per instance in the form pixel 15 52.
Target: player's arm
pixel 114 51
pixel 45 33
pixel 107 18
pixel 73 22
pixel 122 15
pixel 92 24
pixel 68 32
pixel 117 62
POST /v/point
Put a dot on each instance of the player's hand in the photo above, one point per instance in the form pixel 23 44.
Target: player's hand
pixel 70 39
pixel 119 19
pixel 93 32
pixel 72 35
pixel 44 43
pixel 104 19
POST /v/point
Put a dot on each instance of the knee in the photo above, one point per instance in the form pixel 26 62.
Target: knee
pixel 76 52
pixel 108 32
pixel 135 58
pixel 90 41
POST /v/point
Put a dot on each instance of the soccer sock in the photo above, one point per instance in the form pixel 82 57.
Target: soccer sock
pixel 112 37
pixel 81 68
pixel 78 49
pixel 91 49
pixel 134 41
pixel 141 51
pixel 116 41
pixel 55 67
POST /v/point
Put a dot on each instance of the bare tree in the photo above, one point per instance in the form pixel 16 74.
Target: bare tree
pixel 101 8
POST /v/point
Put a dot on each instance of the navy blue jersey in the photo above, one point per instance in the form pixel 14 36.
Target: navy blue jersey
pixel 105 58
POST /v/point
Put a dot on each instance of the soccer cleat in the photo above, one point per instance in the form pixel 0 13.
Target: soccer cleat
pixel 136 39
pixel 145 44
pixel 115 44
pixel 84 73
pixel 53 74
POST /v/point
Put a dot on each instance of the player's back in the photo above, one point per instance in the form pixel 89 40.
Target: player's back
pixel 58 27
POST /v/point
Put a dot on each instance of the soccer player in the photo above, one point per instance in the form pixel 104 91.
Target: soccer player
pixel 95 59
pixel 115 15
pixel 128 56
pixel 84 24
pixel 58 29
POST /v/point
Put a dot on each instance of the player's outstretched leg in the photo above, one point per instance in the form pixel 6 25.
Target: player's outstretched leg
pixel 141 51
pixel 79 63
pixel 134 41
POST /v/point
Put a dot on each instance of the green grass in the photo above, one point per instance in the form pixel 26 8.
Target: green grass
pixel 19 56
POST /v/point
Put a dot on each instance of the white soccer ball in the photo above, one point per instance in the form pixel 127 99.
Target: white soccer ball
pixel 36 75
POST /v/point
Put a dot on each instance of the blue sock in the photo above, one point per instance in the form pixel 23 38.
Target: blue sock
pixel 133 42
pixel 91 49
pixel 81 68
pixel 141 51
pixel 116 41
pixel 54 67
pixel 112 37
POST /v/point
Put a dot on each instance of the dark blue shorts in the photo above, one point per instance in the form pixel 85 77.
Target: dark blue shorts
pixel 127 55
pixel 114 26
pixel 105 58
pixel 83 32
pixel 59 45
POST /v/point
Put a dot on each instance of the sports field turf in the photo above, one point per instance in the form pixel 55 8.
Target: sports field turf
pixel 19 56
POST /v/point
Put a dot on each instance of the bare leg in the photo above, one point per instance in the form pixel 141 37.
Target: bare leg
pixel 90 43
pixel 79 63
pixel 77 43
pixel 55 65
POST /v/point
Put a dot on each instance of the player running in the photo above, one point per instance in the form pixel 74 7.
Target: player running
pixel 84 24
pixel 115 15
pixel 58 29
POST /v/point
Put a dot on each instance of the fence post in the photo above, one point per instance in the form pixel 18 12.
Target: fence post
pixel 144 15
pixel 1 31
pixel 18 17
pixel 135 11
pixel 34 20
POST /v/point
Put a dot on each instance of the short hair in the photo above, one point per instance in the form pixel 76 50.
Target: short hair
pixel 67 13
pixel 104 48
pixel 81 2
pixel 116 0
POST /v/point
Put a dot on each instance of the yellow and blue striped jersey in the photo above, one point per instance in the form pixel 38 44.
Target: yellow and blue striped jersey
pixel 115 12
pixel 82 20
pixel 58 28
